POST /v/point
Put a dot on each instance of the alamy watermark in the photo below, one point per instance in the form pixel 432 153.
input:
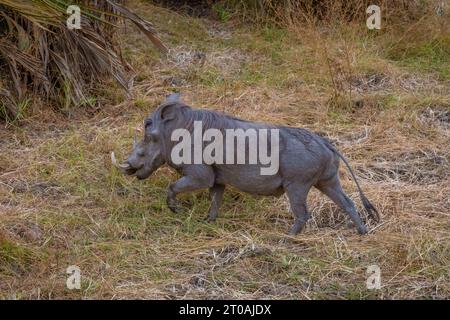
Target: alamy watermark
pixel 374 279
pixel 373 282
pixel 238 146
pixel 374 20
pixel 74 279
pixel 74 20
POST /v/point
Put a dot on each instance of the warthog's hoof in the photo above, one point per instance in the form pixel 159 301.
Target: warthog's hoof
pixel 210 219
pixel 174 206
pixel 297 227
pixel 362 230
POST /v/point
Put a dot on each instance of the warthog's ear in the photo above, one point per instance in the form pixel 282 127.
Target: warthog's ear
pixel 169 111
pixel 171 107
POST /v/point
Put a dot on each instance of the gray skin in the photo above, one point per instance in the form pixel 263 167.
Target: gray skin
pixel 305 160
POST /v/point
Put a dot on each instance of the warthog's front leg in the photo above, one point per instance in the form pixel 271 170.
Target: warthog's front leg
pixel 196 178
pixel 172 201
pixel 216 195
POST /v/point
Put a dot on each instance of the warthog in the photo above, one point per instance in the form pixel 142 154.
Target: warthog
pixel 305 160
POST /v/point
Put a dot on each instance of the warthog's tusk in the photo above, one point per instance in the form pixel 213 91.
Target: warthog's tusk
pixel 116 164
pixel 136 130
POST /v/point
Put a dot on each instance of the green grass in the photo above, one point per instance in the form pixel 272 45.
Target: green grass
pixel 21 111
pixel 431 56
pixel 16 259
pixel 222 13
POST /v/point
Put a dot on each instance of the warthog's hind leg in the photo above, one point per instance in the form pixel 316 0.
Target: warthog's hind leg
pixel 297 194
pixel 216 195
pixel 333 189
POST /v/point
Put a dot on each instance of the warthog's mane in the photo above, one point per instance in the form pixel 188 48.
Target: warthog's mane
pixel 217 120
pixel 221 121
pixel 213 119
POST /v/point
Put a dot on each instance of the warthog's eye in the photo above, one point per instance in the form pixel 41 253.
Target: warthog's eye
pixel 140 153
pixel 148 123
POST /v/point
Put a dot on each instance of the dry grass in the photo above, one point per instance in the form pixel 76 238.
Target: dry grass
pixel 61 202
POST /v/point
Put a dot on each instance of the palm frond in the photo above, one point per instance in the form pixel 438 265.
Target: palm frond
pixel 40 55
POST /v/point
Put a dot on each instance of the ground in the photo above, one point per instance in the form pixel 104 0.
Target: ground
pixel 382 98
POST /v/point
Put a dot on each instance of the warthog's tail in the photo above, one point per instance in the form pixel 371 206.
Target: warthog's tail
pixel 373 213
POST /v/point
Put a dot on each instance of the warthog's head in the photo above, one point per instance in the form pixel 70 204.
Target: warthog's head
pixel 150 153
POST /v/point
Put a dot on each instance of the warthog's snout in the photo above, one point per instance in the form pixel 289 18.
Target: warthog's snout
pixel 134 165
pixel 124 167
